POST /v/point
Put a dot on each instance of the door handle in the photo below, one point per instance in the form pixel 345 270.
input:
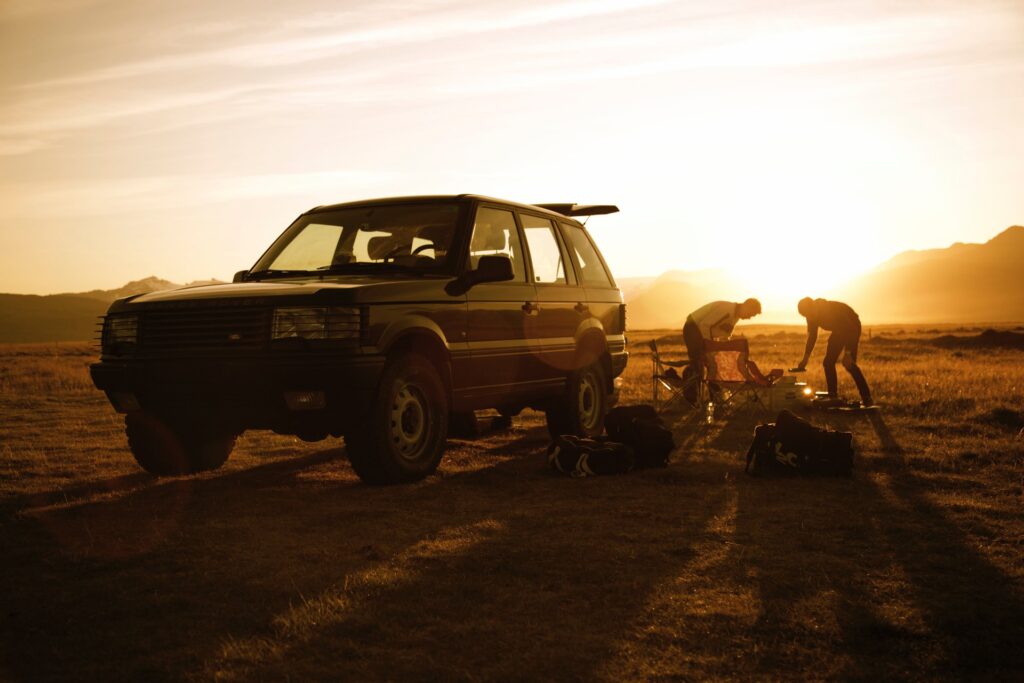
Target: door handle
pixel 530 308
pixel 581 308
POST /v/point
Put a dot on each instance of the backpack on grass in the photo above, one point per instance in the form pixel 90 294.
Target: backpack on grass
pixel 640 427
pixel 792 445
pixel 579 457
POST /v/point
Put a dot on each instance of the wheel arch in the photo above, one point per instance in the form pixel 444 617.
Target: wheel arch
pixel 425 342
pixel 591 346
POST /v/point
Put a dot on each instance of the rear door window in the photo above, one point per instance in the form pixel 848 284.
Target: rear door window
pixel 545 251
pixel 591 269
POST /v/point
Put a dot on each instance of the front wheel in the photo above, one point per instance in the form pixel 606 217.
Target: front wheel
pixel 582 409
pixel 174 448
pixel 403 437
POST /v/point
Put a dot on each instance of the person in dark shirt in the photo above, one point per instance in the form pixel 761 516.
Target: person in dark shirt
pixel 844 324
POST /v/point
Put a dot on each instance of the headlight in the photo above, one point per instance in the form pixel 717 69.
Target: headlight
pixel 122 329
pixel 319 322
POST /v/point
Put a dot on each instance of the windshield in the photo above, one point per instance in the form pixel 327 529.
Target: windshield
pixel 410 237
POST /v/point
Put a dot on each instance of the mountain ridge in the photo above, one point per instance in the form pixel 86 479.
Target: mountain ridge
pixel 965 282
pixel 961 283
pixel 67 316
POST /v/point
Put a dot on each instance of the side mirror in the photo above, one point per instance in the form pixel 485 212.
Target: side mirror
pixel 488 269
pixel 240 276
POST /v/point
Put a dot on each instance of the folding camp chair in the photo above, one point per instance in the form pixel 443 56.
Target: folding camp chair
pixel 673 381
pixel 731 374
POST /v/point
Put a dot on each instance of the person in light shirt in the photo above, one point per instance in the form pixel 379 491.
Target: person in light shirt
pixel 714 320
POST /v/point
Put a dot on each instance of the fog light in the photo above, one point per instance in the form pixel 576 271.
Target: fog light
pixel 123 401
pixel 305 400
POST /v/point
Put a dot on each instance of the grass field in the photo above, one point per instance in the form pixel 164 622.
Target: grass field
pixel 283 566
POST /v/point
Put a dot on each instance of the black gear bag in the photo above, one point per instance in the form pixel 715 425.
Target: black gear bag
pixel 579 457
pixel 792 445
pixel 640 428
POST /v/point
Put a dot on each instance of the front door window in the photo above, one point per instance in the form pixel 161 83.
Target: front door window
pixel 495 234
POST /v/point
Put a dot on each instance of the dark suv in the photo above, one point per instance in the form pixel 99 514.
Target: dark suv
pixel 378 321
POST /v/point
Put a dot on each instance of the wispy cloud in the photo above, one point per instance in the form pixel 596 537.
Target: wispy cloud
pixel 110 119
pixel 11 10
pixel 586 54
pixel 121 196
pixel 304 46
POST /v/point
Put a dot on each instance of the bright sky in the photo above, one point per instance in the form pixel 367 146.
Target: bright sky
pixel 798 142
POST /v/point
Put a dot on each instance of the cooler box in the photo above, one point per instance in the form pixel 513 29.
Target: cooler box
pixel 787 393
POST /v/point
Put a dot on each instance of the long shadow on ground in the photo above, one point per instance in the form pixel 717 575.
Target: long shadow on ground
pixel 894 586
pixel 271 573
pixel 503 571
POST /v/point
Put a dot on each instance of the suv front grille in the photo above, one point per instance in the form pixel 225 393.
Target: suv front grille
pixel 198 329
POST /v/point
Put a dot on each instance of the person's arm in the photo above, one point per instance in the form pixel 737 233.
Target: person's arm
pixel 812 338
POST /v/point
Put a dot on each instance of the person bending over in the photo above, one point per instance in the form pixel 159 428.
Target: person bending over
pixel 714 321
pixel 844 324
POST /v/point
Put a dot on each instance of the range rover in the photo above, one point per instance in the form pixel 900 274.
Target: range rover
pixel 378 321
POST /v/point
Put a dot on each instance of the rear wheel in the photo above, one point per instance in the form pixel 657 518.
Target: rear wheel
pixel 582 409
pixel 173 448
pixel 403 437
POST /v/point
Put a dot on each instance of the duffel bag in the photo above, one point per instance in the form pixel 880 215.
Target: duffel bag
pixel 618 423
pixel 792 445
pixel 580 457
pixel 640 427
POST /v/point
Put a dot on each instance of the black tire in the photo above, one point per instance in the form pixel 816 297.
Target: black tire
pixel 403 437
pixel 582 409
pixel 168 451
pixel 208 451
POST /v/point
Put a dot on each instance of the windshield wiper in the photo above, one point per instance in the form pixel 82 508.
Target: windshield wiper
pixel 262 274
pixel 342 268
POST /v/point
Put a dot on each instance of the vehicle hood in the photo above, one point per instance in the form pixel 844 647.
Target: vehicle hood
pixel 330 289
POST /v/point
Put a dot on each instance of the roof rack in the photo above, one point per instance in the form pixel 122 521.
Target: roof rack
pixel 580 209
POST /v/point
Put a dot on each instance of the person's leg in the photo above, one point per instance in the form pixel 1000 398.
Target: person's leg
pixel 694 344
pixel 832 351
pixel 694 372
pixel 850 363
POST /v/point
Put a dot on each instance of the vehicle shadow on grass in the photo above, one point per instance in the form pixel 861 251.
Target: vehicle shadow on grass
pixel 70 494
pixel 128 482
pixel 274 572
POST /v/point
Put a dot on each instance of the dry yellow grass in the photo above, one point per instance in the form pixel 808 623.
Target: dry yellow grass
pixel 283 566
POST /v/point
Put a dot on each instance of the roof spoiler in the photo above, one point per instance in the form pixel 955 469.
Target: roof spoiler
pixel 580 209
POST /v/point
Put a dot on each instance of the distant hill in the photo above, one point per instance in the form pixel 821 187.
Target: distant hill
pixel 65 317
pixel 143 286
pixel 961 283
pixel 665 301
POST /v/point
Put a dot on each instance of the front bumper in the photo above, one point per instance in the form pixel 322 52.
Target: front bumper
pixel 619 361
pixel 251 393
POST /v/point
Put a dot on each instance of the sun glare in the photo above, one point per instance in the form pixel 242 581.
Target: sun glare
pixel 802 239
